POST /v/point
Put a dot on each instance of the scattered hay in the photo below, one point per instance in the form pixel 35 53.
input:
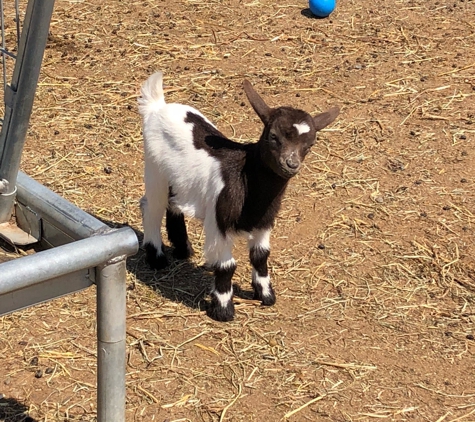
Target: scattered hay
pixel 373 250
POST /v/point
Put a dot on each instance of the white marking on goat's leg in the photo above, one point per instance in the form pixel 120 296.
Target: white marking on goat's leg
pixel 302 128
pixel 223 298
pixel 259 239
pixel 259 250
pixel 263 283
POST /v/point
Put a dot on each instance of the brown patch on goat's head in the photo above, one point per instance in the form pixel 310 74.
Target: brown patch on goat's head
pixel 288 133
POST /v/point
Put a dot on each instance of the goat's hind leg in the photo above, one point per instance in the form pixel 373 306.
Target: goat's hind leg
pixel 153 205
pixel 259 250
pixel 176 229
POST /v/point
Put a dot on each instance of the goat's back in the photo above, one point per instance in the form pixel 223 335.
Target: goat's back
pixel 173 164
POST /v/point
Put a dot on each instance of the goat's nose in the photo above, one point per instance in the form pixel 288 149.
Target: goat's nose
pixel 292 164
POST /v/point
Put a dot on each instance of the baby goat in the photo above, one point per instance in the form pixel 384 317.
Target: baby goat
pixel 235 189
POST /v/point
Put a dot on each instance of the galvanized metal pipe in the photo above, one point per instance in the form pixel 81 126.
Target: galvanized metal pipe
pixel 85 253
pixel 111 347
pixel 20 95
pixel 72 220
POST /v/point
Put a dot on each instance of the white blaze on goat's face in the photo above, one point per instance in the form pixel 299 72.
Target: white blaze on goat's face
pixel 302 128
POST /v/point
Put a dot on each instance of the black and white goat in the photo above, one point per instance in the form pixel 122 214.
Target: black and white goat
pixel 235 189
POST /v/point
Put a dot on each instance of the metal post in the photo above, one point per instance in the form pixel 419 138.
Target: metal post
pixel 111 320
pixel 19 96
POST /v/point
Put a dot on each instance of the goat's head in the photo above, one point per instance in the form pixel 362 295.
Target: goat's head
pixel 288 133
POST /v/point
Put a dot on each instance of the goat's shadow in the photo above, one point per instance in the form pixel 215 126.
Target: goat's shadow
pixel 182 281
pixel 11 410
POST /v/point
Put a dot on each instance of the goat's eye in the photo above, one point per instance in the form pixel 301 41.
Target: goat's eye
pixel 274 139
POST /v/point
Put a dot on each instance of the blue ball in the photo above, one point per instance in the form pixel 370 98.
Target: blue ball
pixel 322 8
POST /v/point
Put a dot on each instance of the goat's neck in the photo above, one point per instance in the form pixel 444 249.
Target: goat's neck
pixel 270 185
pixel 261 196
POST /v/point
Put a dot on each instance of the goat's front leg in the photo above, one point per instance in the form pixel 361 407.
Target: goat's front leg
pixel 259 250
pixel 218 253
pixel 222 306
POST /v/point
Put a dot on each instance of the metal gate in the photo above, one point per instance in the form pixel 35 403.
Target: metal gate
pixel 79 250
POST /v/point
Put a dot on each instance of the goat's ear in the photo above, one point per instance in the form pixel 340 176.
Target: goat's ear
pixel 258 104
pixel 322 120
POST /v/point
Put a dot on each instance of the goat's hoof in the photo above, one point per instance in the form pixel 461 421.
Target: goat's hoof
pixel 154 259
pixel 267 300
pixel 183 252
pixel 219 312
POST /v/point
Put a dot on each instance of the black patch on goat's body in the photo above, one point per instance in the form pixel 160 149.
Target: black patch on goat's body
pixel 252 192
pixel 265 191
pixel 223 276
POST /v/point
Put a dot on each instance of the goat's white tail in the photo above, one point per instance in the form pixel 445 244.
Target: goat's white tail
pixel 151 94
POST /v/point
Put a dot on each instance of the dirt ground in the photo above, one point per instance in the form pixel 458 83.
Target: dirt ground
pixel 372 254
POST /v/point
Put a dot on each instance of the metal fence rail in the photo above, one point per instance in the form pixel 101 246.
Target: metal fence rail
pixel 86 251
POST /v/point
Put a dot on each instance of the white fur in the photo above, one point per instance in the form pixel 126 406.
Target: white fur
pixel 302 128
pixel 194 176
pixel 227 264
pixel 264 282
pixel 223 298
pixel 218 250
pixel 259 239
pixel 172 160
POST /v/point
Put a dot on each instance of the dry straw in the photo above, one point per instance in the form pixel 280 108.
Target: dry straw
pixel 372 253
